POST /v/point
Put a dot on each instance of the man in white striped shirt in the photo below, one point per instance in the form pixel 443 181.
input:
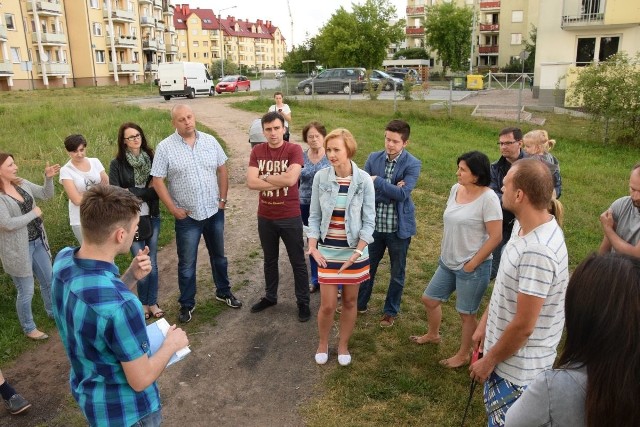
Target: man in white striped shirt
pixel 520 330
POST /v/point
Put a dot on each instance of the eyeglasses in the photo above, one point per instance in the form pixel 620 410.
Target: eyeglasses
pixel 506 143
pixel 132 137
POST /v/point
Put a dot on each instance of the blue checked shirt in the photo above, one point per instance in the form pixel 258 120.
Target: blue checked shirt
pixel 191 172
pixel 386 216
pixel 101 325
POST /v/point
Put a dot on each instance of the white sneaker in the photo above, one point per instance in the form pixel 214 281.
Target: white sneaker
pixel 344 359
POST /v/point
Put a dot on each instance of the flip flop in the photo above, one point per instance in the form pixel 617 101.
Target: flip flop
pixel 416 339
pixel 40 337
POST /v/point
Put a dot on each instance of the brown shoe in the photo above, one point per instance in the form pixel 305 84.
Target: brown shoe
pixel 387 321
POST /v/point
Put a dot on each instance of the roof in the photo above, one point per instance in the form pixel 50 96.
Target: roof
pixel 261 29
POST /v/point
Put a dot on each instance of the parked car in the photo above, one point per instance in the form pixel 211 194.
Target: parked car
pixel 233 84
pixel 387 80
pixel 335 80
pixel 402 73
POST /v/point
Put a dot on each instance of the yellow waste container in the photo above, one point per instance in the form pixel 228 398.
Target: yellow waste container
pixel 474 82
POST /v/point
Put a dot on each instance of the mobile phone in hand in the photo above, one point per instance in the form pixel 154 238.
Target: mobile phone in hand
pixel 477 355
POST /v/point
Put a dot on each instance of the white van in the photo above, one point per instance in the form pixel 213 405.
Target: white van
pixel 184 79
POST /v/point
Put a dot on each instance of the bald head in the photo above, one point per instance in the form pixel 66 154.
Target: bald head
pixel 183 120
pixel 534 178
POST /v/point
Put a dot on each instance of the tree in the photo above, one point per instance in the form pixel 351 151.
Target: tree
pixel 448 32
pixel 359 38
pixel 412 53
pixel 530 46
pixel 610 92
pixel 293 64
pixel 216 68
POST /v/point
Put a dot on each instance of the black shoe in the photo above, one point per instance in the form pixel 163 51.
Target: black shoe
pixel 17 404
pixel 304 314
pixel 185 314
pixel 230 300
pixel 261 305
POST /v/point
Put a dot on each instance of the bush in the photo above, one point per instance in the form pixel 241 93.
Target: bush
pixel 610 92
pixel 372 91
pixel 407 87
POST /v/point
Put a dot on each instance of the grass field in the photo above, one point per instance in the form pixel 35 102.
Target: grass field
pixel 392 380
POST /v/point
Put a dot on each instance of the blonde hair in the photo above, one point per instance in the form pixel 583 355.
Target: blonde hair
pixel 556 208
pixel 347 137
pixel 540 137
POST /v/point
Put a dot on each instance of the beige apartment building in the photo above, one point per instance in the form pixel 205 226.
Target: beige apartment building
pixel 206 37
pixel 66 43
pixel 502 26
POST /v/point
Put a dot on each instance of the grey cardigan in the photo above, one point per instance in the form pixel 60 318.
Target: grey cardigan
pixel 14 237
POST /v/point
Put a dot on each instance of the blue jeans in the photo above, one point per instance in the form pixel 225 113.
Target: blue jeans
pixel 398 249
pixel 41 266
pixel 148 287
pixel 313 265
pixel 188 232
pixel 154 419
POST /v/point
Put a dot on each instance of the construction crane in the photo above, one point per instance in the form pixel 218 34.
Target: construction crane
pixel 291 18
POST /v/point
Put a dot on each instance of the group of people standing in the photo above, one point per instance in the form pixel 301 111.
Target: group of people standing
pixel 351 217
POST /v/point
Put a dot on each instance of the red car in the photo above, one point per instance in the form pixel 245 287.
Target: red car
pixel 233 84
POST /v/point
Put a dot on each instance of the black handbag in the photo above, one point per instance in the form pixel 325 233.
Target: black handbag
pixel 145 230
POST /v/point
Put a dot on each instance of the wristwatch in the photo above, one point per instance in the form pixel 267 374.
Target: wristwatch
pixel 265 176
pixel 222 200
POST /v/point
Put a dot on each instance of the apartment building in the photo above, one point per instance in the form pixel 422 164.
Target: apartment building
pixel 500 32
pixel 112 42
pixel 206 37
pixel 576 33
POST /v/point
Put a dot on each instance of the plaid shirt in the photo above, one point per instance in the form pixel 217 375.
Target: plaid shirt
pixel 386 215
pixel 101 325
pixel 191 172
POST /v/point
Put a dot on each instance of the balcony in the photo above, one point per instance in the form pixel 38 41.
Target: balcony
pixel 171 29
pixel 172 48
pixel 488 49
pixel 6 67
pixel 168 11
pixel 415 31
pixel 582 14
pixel 125 67
pixel 413 11
pixel 490 28
pixel 145 1
pixel 147 21
pixel 122 42
pixel 3 33
pixel 486 5
pixel 48 8
pixel 150 45
pixel 50 38
pixel 157 4
pixel 160 26
pixel 119 15
pixel 53 68
pixel 150 68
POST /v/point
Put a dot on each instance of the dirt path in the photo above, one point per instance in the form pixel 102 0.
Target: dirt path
pixel 246 369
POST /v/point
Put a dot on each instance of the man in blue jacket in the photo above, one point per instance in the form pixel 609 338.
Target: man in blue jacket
pixel 395 174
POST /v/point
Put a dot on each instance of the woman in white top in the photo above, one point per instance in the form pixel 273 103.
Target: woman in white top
pixel 284 111
pixel 78 175
pixel 472 229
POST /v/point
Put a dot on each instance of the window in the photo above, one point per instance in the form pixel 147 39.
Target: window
pixel 184 55
pixel 516 38
pixel 183 43
pixel 100 56
pixel 205 43
pixel 205 32
pixel 517 16
pixel 94 4
pixel 8 19
pixel 196 43
pixel 587 47
pixel 97 29
pixel 205 55
pixel 195 54
pixel 15 55
pixel 194 21
pixel 194 32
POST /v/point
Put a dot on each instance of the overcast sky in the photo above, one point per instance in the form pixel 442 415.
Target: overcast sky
pixel 308 15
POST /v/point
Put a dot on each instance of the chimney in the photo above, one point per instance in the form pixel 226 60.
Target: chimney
pixel 185 9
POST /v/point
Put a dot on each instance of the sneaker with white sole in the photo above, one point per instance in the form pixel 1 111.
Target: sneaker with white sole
pixel 230 300
pixel 185 314
pixel 17 404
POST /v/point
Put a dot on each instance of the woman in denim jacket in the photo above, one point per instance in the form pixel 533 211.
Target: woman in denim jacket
pixel 341 223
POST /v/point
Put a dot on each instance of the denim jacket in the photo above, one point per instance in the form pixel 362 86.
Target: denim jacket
pixel 360 213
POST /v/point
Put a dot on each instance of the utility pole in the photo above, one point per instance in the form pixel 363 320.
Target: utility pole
pixel 473 36
pixel 291 18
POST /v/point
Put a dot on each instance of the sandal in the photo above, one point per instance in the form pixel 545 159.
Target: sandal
pixel 158 314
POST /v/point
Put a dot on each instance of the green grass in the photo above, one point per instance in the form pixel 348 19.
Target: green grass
pixel 391 381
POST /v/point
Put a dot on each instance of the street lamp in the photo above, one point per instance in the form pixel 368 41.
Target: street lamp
pixel 222 38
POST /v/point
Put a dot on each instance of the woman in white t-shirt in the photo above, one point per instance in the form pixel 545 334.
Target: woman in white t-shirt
pixel 78 175
pixel 472 230
pixel 284 111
